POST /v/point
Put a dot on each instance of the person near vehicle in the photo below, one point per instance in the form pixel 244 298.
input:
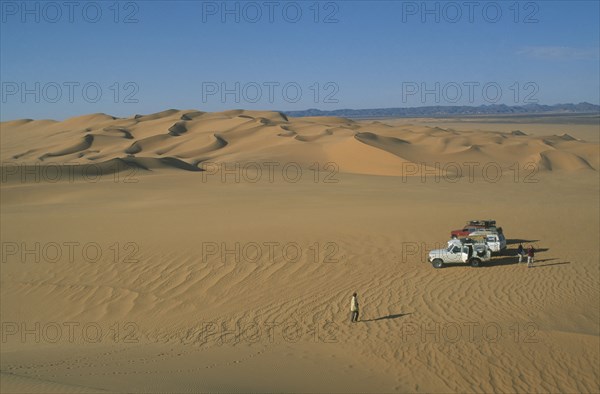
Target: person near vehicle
pixel 520 252
pixel 354 308
pixel 530 256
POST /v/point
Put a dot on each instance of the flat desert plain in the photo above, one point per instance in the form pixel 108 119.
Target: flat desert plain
pixel 186 251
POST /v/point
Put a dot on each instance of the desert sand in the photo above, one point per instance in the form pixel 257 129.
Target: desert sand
pixel 186 251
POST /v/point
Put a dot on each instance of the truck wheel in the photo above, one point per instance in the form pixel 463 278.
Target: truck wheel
pixel 475 262
pixel 437 263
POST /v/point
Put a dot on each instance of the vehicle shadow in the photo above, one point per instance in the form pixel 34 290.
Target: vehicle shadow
pixel 503 260
pixel 510 257
pixel 388 317
pixel 521 241
pixel 513 252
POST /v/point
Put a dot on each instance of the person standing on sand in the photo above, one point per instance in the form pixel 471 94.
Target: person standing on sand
pixel 520 252
pixel 530 256
pixel 354 308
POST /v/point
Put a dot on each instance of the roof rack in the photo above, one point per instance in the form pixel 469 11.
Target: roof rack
pixel 484 223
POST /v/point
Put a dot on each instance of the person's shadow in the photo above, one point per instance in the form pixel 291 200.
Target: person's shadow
pixel 548 265
pixel 388 317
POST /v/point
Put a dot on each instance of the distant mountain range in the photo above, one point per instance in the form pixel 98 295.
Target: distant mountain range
pixel 440 111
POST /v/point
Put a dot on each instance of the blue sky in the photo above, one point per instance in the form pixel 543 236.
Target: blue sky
pixel 58 61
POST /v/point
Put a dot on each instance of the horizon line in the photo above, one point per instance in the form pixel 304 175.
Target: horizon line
pixel 365 109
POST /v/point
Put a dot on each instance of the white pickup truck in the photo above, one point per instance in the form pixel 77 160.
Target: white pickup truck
pixel 473 253
pixel 495 240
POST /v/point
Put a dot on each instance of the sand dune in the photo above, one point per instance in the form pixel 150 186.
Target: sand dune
pixel 242 136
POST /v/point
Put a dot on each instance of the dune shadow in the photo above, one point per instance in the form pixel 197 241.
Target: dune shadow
pixel 388 317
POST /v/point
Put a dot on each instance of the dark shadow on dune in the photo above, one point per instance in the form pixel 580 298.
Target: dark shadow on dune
pixel 157 115
pixel 177 129
pixel 133 148
pixel 152 163
pixel 18 156
pixel 89 172
pixel 192 115
pixel 388 317
pixel 180 164
pixel 283 116
pixel 314 137
pixel 124 131
pixel 219 143
pixel 85 143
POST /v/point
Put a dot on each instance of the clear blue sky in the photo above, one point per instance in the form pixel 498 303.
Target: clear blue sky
pixel 181 54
